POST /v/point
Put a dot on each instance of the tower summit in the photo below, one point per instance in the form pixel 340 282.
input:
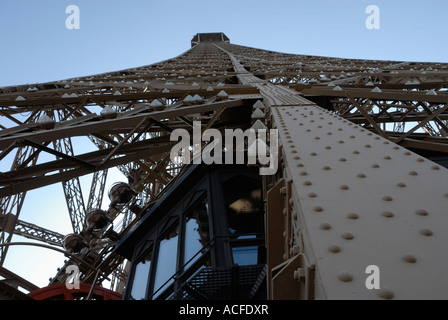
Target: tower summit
pixel 209 37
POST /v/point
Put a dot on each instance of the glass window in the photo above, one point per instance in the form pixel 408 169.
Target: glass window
pixel 245 216
pixel 140 282
pixel 197 232
pixel 244 206
pixel 166 260
pixel 245 256
pixel 247 252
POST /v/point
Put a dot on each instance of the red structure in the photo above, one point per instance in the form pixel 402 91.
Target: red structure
pixel 60 292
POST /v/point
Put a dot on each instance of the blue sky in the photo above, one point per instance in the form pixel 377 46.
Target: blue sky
pixel 36 46
pixel 116 34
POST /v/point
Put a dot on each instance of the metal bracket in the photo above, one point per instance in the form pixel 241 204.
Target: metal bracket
pixel 297 268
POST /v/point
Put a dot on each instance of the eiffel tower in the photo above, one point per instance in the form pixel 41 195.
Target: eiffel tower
pixel 361 183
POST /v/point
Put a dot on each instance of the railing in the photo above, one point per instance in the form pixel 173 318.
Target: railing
pixel 187 271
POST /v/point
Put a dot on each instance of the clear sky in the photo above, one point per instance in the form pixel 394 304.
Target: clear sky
pixel 36 46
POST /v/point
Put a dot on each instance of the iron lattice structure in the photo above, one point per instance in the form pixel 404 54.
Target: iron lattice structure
pixel 339 120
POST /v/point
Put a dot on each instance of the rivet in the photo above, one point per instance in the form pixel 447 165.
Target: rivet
pixel 293 151
pixel 299 165
pixel 295 250
pixel 435 168
pixel 342 159
pixel 326 168
pixel 396 147
pixel 352 216
pixel 318 209
pixel 345 277
pixel 387 198
pixel 316 138
pixel 421 212
pixel 308 130
pixel 352 137
pixel 387 214
pixel 347 236
pixel 361 175
pixel 356 152
pixel 407 153
pixel 386 142
pixel 375 165
pixel 341 141
pixel 420 160
pixel 329 133
pixel 426 232
pixel 385 293
pixel 312 195
pixel 409 258
pixel 307 183
pixel 325 226
pixel 387 157
pixel 344 187
pixel 296 158
pixel 313 154
pixel 303 173
pixel 334 249
pixel 368 146
pixel 328 147
pixel 413 173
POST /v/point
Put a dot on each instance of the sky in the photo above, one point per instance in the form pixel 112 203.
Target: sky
pixel 36 46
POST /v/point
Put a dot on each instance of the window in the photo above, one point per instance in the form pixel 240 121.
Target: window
pixel 245 256
pixel 197 231
pixel 245 219
pixel 141 274
pixel 166 260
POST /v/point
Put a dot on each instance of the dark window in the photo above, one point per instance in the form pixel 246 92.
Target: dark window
pixel 197 231
pixel 166 260
pixel 245 216
pixel 141 275
pixel 244 256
